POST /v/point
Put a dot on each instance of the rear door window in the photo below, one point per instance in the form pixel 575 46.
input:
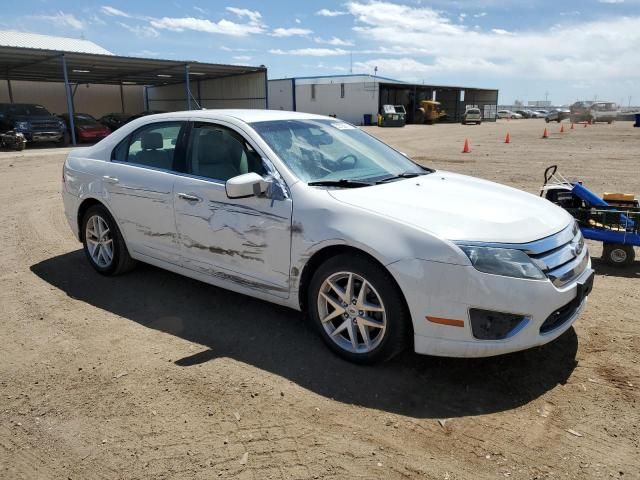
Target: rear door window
pixel 151 146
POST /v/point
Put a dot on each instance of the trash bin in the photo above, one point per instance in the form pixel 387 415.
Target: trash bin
pixel 637 124
pixel 392 116
pixel 367 119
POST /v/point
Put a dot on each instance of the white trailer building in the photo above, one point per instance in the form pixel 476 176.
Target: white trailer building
pixel 358 98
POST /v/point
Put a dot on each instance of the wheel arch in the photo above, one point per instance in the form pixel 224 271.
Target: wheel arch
pixel 325 253
pixel 85 205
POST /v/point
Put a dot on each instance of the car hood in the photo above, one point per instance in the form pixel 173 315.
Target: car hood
pixel 458 207
pixel 31 118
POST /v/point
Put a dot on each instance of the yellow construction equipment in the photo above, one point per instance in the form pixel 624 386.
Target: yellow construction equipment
pixel 430 112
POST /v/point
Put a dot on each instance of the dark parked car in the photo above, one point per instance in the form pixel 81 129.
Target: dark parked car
pixel 115 120
pixel 87 128
pixel 557 115
pixel 33 121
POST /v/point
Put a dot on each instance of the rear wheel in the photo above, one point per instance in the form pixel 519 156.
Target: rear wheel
pixel 618 255
pixel 103 243
pixel 358 309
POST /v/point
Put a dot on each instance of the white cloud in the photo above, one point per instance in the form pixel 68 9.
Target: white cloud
pixel 253 15
pixel 607 48
pixel 242 58
pixel 335 41
pixel 114 12
pixel 223 27
pixel 330 13
pixel 480 15
pixel 611 1
pixel 298 21
pixel 63 20
pixel 200 10
pixel 142 31
pixel 311 52
pixel 290 32
pixel 500 31
pixel 229 49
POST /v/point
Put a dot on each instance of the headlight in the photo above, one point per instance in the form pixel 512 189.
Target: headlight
pixel 502 261
pixel 22 125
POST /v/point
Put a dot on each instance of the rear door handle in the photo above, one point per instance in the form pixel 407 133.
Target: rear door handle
pixel 189 198
pixel 110 179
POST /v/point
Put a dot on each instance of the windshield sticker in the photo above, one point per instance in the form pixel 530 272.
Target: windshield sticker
pixel 343 126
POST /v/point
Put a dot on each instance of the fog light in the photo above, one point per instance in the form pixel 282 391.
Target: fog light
pixel 490 325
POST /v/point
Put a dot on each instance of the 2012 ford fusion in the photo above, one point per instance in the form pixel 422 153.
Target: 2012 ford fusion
pixel 313 213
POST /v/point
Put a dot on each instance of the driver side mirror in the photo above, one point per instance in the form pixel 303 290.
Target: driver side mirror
pixel 246 185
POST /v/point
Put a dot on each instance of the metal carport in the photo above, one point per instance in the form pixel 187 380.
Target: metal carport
pixel 75 68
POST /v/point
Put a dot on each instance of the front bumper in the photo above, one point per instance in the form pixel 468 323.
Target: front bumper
pixel 446 291
pixel 43 136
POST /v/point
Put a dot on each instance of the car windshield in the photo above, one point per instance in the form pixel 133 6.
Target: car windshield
pixel 28 110
pixel 332 150
pixel 84 119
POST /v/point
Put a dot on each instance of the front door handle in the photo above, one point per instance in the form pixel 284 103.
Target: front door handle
pixel 189 198
pixel 110 179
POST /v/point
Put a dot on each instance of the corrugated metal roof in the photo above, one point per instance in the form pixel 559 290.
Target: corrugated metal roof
pixel 10 38
pixel 345 78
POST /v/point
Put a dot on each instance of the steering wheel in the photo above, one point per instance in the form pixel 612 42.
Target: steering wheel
pixel 339 164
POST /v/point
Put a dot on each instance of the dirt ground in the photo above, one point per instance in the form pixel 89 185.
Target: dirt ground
pixel 152 375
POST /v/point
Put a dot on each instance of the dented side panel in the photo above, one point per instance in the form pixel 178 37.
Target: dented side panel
pixel 142 202
pixel 242 241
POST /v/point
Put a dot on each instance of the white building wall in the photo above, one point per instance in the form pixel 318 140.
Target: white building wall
pixel 238 91
pixel 96 100
pixel 359 98
pixel 281 94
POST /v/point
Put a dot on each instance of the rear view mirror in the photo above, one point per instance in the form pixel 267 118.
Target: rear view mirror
pixel 246 185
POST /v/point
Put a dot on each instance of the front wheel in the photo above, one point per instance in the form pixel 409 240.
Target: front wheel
pixel 618 255
pixel 358 309
pixel 103 243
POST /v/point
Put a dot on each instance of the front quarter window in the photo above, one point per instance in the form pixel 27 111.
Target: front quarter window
pixel 326 150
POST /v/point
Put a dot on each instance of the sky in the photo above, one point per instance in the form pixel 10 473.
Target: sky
pixel 563 50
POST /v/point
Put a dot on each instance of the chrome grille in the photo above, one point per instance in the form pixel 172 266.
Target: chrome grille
pixel 44 125
pixel 565 260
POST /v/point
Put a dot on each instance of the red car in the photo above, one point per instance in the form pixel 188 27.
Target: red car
pixel 88 129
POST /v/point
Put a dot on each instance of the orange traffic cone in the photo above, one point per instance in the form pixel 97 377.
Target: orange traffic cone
pixel 507 139
pixel 572 128
pixel 466 148
pixel 561 128
pixel 545 134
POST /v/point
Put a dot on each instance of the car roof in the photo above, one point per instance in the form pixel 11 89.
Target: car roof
pixel 245 115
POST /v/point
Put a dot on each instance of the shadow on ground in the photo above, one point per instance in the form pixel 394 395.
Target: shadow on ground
pixel 603 268
pixel 278 340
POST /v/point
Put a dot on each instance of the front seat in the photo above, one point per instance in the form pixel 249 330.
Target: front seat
pixel 217 156
pixel 153 153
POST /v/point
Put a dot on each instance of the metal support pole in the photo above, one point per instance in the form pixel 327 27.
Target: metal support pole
pixel 122 97
pixel 67 90
pixel 145 98
pixel 188 87
pixel 10 90
pixel 266 91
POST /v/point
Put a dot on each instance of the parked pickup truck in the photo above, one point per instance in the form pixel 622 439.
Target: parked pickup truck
pixel 33 121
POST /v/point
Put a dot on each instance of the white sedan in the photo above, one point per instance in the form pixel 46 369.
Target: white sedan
pixel 315 214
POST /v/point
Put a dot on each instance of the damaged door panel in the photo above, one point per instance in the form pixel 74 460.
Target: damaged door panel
pixel 140 190
pixel 244 241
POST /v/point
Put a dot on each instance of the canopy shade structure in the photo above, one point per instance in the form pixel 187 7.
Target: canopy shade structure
pixel 45 66
pixel 71 67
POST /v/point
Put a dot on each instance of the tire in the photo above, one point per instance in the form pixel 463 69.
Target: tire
pixel 96 218
pixel 546 120
pixel 479 123
pixel 390 329
pixel 618 255
pixel 21 146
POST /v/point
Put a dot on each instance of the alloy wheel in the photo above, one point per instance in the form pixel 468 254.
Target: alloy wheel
pixel 99 241
pixel 352 312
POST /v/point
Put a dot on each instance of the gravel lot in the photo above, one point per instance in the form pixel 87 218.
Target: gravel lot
pixel 152 375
